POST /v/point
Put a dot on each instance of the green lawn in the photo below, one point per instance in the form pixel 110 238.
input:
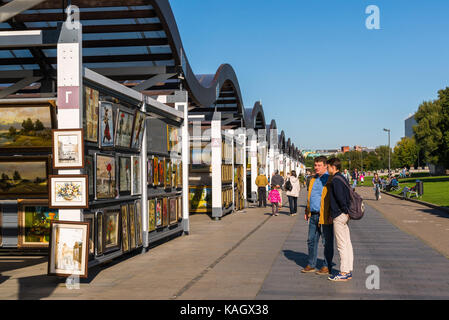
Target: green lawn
pixel 436 189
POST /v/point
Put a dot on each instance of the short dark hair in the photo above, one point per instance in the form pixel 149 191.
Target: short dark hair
pixel 293 173
pixel 335 162
pixel 322 159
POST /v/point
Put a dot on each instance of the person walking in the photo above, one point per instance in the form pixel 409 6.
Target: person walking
pixel 278 181
pixel 355 178
pixel 275 198
pixel 318 216
pixel 347 175
pixel 262 182
pixel 292 188
pixel 340 201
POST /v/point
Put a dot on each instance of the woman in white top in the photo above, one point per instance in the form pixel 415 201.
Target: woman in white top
pixel 293 193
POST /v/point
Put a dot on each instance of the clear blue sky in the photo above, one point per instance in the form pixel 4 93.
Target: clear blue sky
pixel 326 79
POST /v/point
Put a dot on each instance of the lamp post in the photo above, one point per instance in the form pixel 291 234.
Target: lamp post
pixel 389 151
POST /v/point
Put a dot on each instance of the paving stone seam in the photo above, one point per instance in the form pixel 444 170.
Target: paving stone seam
pixel 217 261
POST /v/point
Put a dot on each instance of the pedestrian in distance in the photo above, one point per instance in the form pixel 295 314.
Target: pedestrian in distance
pixel 292 188
pixel 262 182
pixel 275 199
pixel 355 178
pixel 347 175
pixel 318 216
pixel 340 202
pixel 278 181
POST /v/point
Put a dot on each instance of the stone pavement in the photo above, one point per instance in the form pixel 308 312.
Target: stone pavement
pixel 246 255
pixel 409 269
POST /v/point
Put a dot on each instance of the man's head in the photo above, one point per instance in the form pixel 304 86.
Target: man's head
pixel 320 165
pixel 346 170
pixel 333 166
pixel 276 171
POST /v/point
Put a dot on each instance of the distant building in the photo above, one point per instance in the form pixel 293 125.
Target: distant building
pixel 409 123
pixel 345 149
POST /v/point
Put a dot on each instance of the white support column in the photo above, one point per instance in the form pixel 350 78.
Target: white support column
pixel 244 171
pixel 144 186
pixel 253 159
pixel 233 176
pixel 70 88
pixel 271 166
pixel 217 209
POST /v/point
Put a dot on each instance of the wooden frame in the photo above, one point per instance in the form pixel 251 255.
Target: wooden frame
pixel 11 183
pixel 56 202
pixel 57 256
pixel 90 217
pixel 118 125
pixel 111 244
pixel 22 109
pixel 112 193
pixel 21 212
pixel 79 133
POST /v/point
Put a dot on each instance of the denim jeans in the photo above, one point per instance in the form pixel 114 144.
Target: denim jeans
pixel 293 203
pixel 326 232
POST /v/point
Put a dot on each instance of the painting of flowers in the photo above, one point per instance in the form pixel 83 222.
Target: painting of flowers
pixel 68 191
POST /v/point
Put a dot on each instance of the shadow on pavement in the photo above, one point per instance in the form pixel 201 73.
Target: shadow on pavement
pixel 37 287
pixel 300 258
pixel 8 263
pixel 436 212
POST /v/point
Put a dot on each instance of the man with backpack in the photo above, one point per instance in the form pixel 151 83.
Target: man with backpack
pixel 340 205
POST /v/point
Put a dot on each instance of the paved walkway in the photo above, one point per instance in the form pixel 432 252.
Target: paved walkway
pixel 247 255
pixel 409 269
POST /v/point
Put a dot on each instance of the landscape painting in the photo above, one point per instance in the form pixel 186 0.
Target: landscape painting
pixel 23 176
pixel 26 126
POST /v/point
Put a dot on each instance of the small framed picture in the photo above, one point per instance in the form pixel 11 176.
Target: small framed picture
pixel 158 213
pixel 172 211
pixel 150 171
pixel 139 231
pixel 68 192
pixel 100 227
pixel 90 217
pixel 68 148
pixel 69 248
pixel 135 174
pixel 165 212
pixel 106 124
pixel 124 209
pixel 151 214
pixel 155 171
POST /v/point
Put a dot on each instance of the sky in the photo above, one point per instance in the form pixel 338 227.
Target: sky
pixel 326 79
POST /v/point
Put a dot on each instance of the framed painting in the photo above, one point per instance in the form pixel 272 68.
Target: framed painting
pixel 179 208
pixel 200 199
pixel 180 175
pixel 89 170
pixel 151 214
pixel 136 184
pixel 139 231
pixel 106 124
pixel 105 184
pixel 24 177
pixel 68 192
pixel 69 248
pixel 123 130
pixel 34 220
pixel 168 174
pixel 155 171
pixel 100 232
pixel 150 176
pixel 161 173
pixel 124 213
pixel 165 212
pixel 172 211
pixel 139 124
pixel 132 225
pixel 68 148
pixel 27 126
pixel 174 181
pixel 111 231
pixel 90 218
pixel 124 164
pixel 91 115
pixel 169 137
pixel 158 213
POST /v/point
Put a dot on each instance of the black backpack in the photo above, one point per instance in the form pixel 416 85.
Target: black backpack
pixel 357 207
pixel 288 185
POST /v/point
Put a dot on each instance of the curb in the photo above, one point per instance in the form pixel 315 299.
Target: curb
pixel 431 205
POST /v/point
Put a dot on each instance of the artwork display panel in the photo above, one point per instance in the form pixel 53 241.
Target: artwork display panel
pixel 138 128
pixel 136 185
pixel 27 127
pixel 139 231
pixel 100 231
pixel 111 230
pixel 34 220
pixel 24 177
pixel 91 114
pixel 151 214
pixel 123 132
pixel 125 227
pixel 165 212
pixel 68 148
pixel 159 213
pixel 172 211
pixel 69 245
pixel 68 192
pixel 106 124
pixel 124 175
pixel 90 217
pixel 105 184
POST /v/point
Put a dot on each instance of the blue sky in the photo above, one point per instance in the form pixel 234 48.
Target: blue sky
pixel 326 79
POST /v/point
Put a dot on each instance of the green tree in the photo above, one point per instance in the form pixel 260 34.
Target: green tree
pixel 12 131
pixel 16 176
pixel 27 125
pixel 406 152
pixel 5 176
pixel 38 125
pixel 443 97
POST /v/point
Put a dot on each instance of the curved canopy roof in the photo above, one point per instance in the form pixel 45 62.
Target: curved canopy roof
pixel 135 42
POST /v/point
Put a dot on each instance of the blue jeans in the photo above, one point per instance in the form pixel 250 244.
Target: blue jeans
pixel 326 231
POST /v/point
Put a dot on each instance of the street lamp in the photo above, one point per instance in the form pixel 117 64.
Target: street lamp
pixel 389 157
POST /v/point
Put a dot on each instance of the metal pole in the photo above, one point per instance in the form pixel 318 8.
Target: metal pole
pixel 389 152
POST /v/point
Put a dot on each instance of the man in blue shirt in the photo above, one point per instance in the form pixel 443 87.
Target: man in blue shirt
pixel 320 222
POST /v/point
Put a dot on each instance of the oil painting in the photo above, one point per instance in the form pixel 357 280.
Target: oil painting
pixel 105 186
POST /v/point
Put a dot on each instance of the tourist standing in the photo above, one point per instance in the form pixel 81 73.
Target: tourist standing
pixel 293 193
pixel 262 182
